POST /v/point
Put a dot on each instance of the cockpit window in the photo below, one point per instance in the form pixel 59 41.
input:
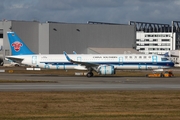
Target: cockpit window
pixel 164 59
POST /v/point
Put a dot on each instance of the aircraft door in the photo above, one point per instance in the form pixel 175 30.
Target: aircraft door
pixel 79 59
pixel 34 60
pixel 154 58
pixel 120 60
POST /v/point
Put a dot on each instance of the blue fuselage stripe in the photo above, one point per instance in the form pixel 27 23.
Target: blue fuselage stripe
pixel 116 63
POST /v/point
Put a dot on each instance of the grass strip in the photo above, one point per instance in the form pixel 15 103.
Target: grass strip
pixel 96 105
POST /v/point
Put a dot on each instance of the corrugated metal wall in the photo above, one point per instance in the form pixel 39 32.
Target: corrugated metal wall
pixel 28 32
pixel 55 38
pixel 44 38
pixel 79 37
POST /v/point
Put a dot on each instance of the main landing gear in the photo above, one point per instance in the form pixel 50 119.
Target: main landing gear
pixel 90 74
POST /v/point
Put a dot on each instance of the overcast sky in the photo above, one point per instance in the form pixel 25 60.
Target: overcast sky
pixel 81 11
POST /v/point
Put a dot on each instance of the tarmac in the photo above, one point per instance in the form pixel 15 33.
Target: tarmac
pixel 42 82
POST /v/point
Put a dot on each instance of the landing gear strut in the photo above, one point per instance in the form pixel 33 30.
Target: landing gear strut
pixel 90 74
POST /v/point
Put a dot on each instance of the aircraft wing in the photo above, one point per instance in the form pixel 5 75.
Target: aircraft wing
pixel 87 64
pixel 13 59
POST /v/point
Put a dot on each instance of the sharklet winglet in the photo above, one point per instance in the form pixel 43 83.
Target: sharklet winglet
pixel 67 57
pixel 74 52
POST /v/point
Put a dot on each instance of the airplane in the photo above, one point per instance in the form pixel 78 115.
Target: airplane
pixel 103 64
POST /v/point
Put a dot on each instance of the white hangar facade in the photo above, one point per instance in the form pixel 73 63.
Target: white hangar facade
pixel 155 38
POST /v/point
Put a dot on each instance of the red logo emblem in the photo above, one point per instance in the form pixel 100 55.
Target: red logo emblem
pixel 17 45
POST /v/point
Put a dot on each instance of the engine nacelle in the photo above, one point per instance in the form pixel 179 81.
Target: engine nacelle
pixel 106 70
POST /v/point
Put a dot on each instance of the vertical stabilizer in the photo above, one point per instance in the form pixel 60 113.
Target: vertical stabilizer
pixel 18 47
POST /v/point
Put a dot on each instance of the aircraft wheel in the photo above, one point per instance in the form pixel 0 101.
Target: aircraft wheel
pixel 92 74
pixel 16 65
pixel 89 74
pixel 2 64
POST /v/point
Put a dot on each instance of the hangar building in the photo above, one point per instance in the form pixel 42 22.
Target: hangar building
pixel 155 38
pixel 56 37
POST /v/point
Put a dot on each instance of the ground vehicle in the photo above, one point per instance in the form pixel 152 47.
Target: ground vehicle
pixel 165 74
pixel 168 74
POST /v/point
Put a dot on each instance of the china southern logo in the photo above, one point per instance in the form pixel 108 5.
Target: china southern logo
pixel 17 45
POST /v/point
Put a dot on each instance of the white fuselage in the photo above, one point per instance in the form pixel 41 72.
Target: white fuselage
pixel 119 61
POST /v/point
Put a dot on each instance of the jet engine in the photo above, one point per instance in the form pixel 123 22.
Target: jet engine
pixel 106 70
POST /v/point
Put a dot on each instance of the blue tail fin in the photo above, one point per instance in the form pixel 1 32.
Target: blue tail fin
pixel 18 47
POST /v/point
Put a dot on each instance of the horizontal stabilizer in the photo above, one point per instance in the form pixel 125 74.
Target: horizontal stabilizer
pixel 14 59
